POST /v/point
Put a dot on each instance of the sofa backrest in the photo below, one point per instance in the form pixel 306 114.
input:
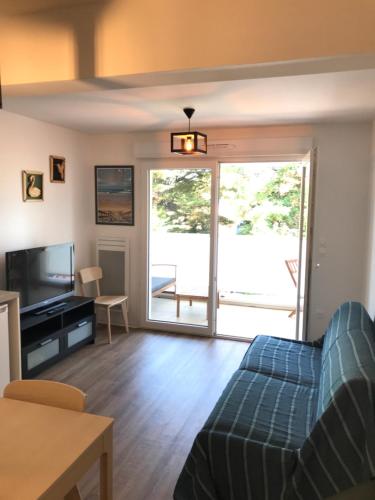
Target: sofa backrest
pixel 348 351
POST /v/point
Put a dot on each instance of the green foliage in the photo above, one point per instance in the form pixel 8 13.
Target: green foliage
pixel 245 227
pixel 182 200
pixel 251 201
pixel 284 193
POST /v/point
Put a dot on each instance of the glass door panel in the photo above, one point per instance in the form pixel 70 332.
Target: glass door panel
pixel 179 245
pixel 260 245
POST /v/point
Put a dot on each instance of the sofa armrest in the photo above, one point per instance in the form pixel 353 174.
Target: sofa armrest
pixel 226 465
pixel 340 451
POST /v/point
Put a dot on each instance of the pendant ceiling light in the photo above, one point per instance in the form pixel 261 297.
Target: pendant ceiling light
pixel 189 143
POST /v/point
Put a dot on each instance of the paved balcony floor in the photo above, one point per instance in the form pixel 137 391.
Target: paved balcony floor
pixel 233 320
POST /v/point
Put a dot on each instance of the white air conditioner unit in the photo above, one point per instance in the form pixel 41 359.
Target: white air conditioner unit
pixel 226 148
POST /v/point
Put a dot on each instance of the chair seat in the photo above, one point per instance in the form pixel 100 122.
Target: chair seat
pixel 110 300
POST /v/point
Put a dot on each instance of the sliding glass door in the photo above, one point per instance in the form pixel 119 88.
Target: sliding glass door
pixel 228 248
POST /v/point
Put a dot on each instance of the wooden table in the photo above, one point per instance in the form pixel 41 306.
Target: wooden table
pixel 44 451
pixel 196 294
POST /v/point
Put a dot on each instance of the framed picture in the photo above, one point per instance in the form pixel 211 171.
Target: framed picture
pixel 114 195
pixel 32 185
pixel 57 169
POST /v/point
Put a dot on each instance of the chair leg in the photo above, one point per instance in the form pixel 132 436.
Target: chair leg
pixel 109 325
pixel 292 313
pixel 73 494
pixel 124 308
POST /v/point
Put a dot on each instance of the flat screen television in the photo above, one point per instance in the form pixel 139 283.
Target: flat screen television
pixel 41 275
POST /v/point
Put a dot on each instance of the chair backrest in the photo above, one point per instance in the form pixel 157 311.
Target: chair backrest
pixel 47 392
pixel 292 265
pixel 88 275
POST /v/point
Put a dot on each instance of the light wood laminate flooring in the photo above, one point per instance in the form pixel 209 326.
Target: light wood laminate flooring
pixel 159 388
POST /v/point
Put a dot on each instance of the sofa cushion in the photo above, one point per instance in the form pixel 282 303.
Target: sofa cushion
pixel 348 351
pixel 264 409
pixel 297 362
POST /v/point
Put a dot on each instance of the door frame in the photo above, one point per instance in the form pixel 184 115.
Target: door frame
pixel 312 158
pixel 213 164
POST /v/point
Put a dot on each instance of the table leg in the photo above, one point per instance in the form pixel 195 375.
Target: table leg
pixel 124 308
pixel 106 467
pixel 178 306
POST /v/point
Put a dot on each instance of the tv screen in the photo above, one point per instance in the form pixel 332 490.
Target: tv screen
pixel 41 275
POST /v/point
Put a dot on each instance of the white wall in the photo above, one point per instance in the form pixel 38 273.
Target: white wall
pixel 341 215
pixel 66 213
pixel 117 149
pixel 341 219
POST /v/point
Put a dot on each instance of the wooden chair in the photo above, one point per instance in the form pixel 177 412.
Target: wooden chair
pixel 90 274
pixel 47 392
pixel 292 265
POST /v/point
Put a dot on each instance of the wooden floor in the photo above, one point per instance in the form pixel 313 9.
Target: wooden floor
pixel 160 389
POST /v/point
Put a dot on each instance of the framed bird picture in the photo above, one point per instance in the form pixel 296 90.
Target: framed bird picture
pixel 32 185
pixel 57 169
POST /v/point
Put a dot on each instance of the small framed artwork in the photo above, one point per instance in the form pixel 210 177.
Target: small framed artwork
pixel 114 195
pixel 57 169
pixel 32 185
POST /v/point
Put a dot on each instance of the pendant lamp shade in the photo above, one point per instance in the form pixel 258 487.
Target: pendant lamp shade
pixel 190 142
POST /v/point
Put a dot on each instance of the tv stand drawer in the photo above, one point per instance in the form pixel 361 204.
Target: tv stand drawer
pixel 82 332
pixel 39 356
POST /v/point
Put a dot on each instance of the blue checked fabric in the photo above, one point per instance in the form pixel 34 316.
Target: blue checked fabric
pixel 296 421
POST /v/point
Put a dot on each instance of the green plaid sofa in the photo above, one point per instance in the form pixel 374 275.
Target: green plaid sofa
pixel 296 421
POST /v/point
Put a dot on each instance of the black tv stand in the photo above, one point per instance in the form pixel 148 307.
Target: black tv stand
pixel 53 333
pixel 50 310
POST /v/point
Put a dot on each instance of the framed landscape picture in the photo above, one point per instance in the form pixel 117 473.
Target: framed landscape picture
pixel 32 185
pixel 57 169
pixel 114 195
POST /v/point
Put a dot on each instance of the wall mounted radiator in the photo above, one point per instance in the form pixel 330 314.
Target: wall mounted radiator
pixel 113 256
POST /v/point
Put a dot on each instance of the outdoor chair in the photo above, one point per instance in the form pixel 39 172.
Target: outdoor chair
pixel 292 266
pixel 164 279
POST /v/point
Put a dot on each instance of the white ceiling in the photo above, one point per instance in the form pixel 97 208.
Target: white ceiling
pixel 347 95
